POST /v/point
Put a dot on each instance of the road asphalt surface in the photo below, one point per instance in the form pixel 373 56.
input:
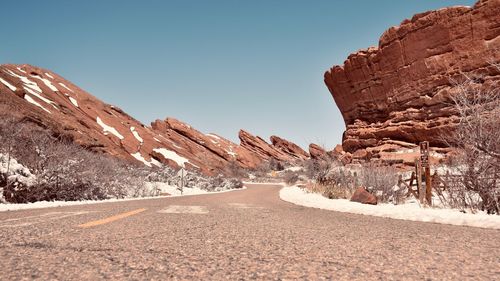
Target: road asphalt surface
pixel 241 235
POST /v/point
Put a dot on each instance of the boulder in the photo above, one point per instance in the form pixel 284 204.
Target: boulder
pixel 364 197
pixel 316 151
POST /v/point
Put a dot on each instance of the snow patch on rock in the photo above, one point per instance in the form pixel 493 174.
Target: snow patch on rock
pixel 65 87
pixel 10 86
pixel 46 82
pixel 29 99
pixel 136 134
pixel 172 155
pixel 108 129
pixel 73 101
pixel 139 157
pixel 26 81
pixel 46 100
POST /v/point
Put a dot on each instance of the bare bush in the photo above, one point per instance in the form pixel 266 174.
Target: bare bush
pixel 477 135
pixel 290 177
pixel 317 169
pixel 64 171
pixel 381 181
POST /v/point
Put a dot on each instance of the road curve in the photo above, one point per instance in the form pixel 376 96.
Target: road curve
pixel 240 235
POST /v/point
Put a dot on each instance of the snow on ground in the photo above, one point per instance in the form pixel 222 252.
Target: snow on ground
pixel 172 155
pixel 48 75
pixel 66 87
pixel 174 190
pixel 411 212
pixel 10 86
pixel 163 187
pixel 29 99
pixel 136 134
pixel 18 68
pixel 46 82
pixel 73 101
pixel 15 171
pixel 294 169
pixel 108 129
pixel 46 100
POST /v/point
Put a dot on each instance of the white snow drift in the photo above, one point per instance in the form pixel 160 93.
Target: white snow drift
pixel 412 212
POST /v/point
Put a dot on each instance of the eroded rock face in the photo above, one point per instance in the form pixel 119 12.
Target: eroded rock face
pixel 400 91
pixel 40 96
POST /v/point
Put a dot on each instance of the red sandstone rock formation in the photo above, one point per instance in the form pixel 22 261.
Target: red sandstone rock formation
pixel 289 148
pixel 316 151
pixel 262 149
pixel 399 92
pixel 50 101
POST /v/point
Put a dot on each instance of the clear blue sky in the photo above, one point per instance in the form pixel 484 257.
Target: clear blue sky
pixel 217 65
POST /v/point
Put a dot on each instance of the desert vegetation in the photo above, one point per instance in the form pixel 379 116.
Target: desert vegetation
pixel 473 176
pixel 38 166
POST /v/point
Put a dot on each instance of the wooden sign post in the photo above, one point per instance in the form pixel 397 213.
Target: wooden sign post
pixel 181 174
pixel 424 160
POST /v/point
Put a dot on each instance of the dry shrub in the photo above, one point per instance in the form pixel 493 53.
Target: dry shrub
pixel 63 170
pixel 290 177
pixel 477 135
pixel 381 181
pixel 235 171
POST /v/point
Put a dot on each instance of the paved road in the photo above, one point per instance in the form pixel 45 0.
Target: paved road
pixel 241 235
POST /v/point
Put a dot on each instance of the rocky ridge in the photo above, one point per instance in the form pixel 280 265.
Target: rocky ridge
pixel 398 94
pixel 33 94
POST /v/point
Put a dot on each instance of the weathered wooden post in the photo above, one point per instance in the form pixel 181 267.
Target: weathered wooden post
pixel 181 182
pixel 424 160
pixel 420 188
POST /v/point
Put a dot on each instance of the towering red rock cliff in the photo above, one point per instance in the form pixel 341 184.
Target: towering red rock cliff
pixel 37 95
pixel 399 93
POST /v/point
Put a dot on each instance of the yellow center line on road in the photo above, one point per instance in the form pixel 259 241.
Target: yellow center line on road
pixel 111 219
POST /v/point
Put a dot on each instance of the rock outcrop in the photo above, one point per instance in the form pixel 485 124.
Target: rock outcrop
pixel 33 94
pixel 289 148
pixel 316 151
pixel 397 94
pixel 262 149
